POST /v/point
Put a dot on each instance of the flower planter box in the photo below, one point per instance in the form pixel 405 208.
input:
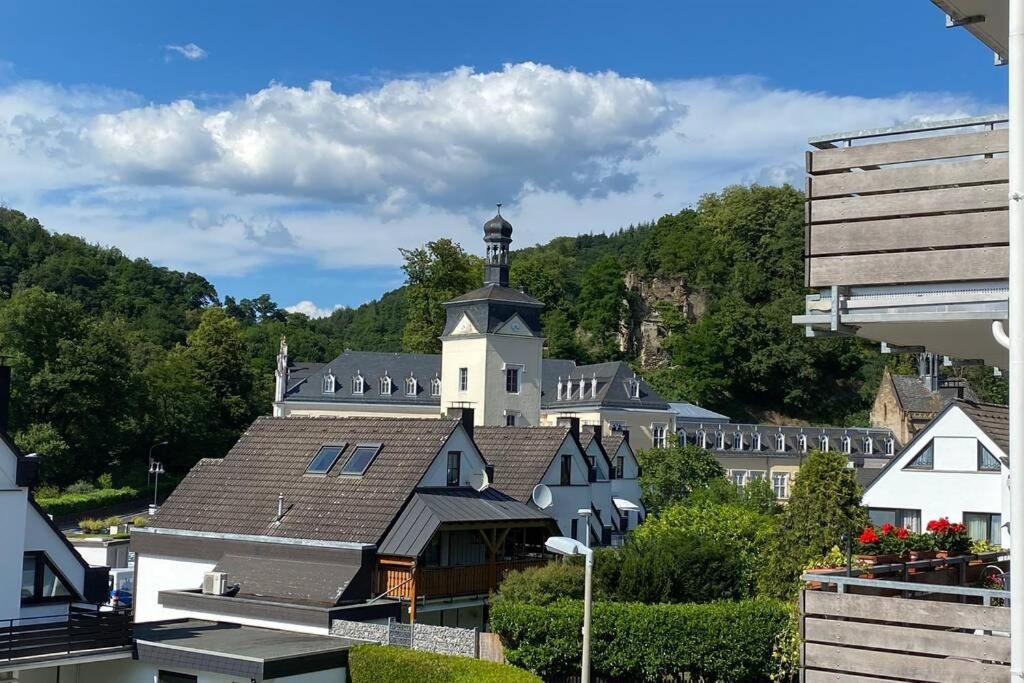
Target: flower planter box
pixel 872 560
pixel 917 555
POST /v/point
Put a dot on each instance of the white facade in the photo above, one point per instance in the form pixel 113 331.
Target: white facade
pixel 129 671
pixel 626 484
pixel 953 486
pixel 571 497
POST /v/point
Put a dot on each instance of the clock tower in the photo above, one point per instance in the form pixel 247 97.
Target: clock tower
pixel 492 346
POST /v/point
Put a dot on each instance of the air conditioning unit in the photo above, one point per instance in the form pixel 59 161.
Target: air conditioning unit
pixel 215 583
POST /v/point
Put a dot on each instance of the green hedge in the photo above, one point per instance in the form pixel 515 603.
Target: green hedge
pixel 721 641
pixel 372 663
pixel 70 503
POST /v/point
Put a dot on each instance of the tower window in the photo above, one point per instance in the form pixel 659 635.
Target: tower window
pixel 329 382
pixel 411 387
pixel 358 384
pixel 512 380
pixel 454 468
pixel 435 386
pixel 510 419
pixel 463 379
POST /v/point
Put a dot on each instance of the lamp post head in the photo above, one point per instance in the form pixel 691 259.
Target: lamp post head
pixel 562 545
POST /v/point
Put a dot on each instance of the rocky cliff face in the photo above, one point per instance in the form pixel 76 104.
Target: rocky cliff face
pixel 642 333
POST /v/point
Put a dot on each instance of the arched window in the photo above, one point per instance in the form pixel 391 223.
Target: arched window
pixel 823 442
pixel 720 440
pixel 561 388
pixel 435 386
pixel 358 384
pixel 593 386
pixel 869 445
pixel 890 446
pixel 801 443
pixel 329 382
pixel 701 438
pixel 755 441
pixel 846 444
pixel 410 386
pixel 583 388
pixel 780 442
pixel 568 389
pixel 385 385
pixel 635 388
pixel 737 441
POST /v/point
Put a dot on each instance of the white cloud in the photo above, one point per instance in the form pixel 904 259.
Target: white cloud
pixel 311 309
pixel 341 180
pixel 189 51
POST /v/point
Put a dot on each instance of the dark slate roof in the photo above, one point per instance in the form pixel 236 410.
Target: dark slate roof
pixel 307 385
pixel 520 455
pixel 791 435
pixel 430 508
pixel 991 418
pixel 689 411
pixel 238 494
pixel 612 386
pixel 493 292
pixel 917 397
pixel 303 580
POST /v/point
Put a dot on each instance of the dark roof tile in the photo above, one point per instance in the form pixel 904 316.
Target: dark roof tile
pixel 520 455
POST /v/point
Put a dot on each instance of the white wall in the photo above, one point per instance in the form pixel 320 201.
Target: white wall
pixel 13 503
pixel 155 573
pixel 566 500
pixel 954 486
pixel 628 486
pixel 129 671
pixel 39 535
pixel 472 462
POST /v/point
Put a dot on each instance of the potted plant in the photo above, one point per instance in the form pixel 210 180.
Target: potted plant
pixel 883 546
pixel 921 547
pixel 951 538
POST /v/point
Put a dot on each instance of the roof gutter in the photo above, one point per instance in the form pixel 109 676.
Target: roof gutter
pixel 305 542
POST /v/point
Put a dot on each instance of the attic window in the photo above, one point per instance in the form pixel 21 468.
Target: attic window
pixel 358 384
pixel 823 442
pixel 701 438
pixel 720 440
pixel 634 387
pixel 385 386
pixel 780 442
pixel 890 446
pixel 986 461
pixel 410 386
pixel 361 458
pixel 801 443
pixel 737 441
pixel 561 388
pixel 755 441
pixel 324 459
pixel 869 445
pixel 435 386
pixel 925 460
pixel 846 444
pixel 329 382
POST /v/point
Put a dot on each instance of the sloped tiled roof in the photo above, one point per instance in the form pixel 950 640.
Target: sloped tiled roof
pixel 917 397
pixel 612 442
pixel 520 455
pixel 991 418
pixel 238 494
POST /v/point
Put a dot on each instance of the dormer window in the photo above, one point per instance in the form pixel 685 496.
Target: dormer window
pixel 755 441
pixel 682 437
pixel 801 443
pixel 701 438
pixel 869 445
pixel 329 382
pixel 435 386
pixel 780 442
pixel 561 388
pixel 385 385
pixel 358 385
pixel 634 387
pixel 737 441
pixel 583 389
pixel 846 444
pixel 890 446
pixel 720 440
pixel 823 442
pixel 568 389
pixel 593 386
pixel 411 386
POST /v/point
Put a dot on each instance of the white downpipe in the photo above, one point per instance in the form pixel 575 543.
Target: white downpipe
pixel 1016 315
pixel 999 332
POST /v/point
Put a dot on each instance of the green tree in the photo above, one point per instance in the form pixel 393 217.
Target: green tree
pixel 436 273
pixel 602 306
pixel 670 474
pixel 56 462
pixel 825 504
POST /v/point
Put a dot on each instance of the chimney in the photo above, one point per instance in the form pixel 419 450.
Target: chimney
pixel 463 415
pixel 594 430
pixel 625 435
pixel 5 395
pixel 573 423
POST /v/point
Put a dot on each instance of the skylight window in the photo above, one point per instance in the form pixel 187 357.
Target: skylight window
pixel 324 459
pixel 361 458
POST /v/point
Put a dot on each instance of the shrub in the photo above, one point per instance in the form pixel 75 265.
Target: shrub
pixel 670 474
pixel 112 521
pixel 93 526
pixel 80 487
pixel 70 503
pixel 723 641
pixel 372 663
pixel 543 585
pixel 140 521
pixel 105 481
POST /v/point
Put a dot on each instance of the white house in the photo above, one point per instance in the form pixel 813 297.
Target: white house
pixel 955 467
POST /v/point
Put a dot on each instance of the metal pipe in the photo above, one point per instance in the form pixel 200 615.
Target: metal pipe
pixel 999 333
pixel 1016 315
pixel 588 600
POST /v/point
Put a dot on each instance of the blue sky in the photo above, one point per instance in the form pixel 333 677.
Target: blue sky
pixel 290 151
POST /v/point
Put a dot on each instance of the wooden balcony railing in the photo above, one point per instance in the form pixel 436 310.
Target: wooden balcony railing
pixel 430 582
pixel 928 208
pixel 81 630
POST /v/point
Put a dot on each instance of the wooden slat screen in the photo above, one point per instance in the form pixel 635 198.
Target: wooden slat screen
pixel 850 638
pixel 941 199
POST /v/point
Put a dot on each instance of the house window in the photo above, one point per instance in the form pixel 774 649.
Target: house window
pixel 329 382
pixel 823 443
pixel 737 441
pixel 720 440
pixel 890 446
pixel 385 386
pixel 620 467
pixel 175 677
pixel 738 477
pixel 623 521
pixel 435 386
pixel 358 384
pixel 454 468
pixel 574 527
pixel 360 459
pixel 702 439
pixel 411 387
pixel 463 379
pixel 801 443
pixel 986 461
pixel 324 459
pixel 925 460
pixel 41 581
pixel 869 445
pixel 984 526
pixel 755 441
pixel 659 434
pixel 616 426
pixel 780 485
pixel 906 519
pixel 510 419
pixel 566 475
pixel 846 444
pixel 512 380
pixel 780 442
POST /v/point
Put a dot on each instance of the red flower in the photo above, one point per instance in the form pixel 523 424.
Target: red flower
pixel 939 526
pixel 887 529
pixel 902 533
pixel 868 536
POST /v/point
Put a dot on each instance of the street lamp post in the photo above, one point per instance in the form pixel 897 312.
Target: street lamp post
pixel 570 546
pixel 156 445
pixel 156 469
pixel 585 513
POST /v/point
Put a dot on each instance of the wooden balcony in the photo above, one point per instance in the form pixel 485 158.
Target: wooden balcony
pixel 909 224
pixel 396 579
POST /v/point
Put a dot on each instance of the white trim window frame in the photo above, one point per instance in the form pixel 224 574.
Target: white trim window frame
pixel 513 378
pixel 659 434
pixel 463 379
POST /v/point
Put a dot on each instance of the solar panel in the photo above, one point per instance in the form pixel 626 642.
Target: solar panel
pixel 360 459
pixel 324 459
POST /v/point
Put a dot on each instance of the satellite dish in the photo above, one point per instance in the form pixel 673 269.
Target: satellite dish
pixel 480 481
pixel 542 496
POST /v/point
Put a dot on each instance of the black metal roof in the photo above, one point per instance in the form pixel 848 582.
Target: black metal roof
pixel 613 386
pixel 302 580
pixel 493 292
pixel 430 508
pixel 308 383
